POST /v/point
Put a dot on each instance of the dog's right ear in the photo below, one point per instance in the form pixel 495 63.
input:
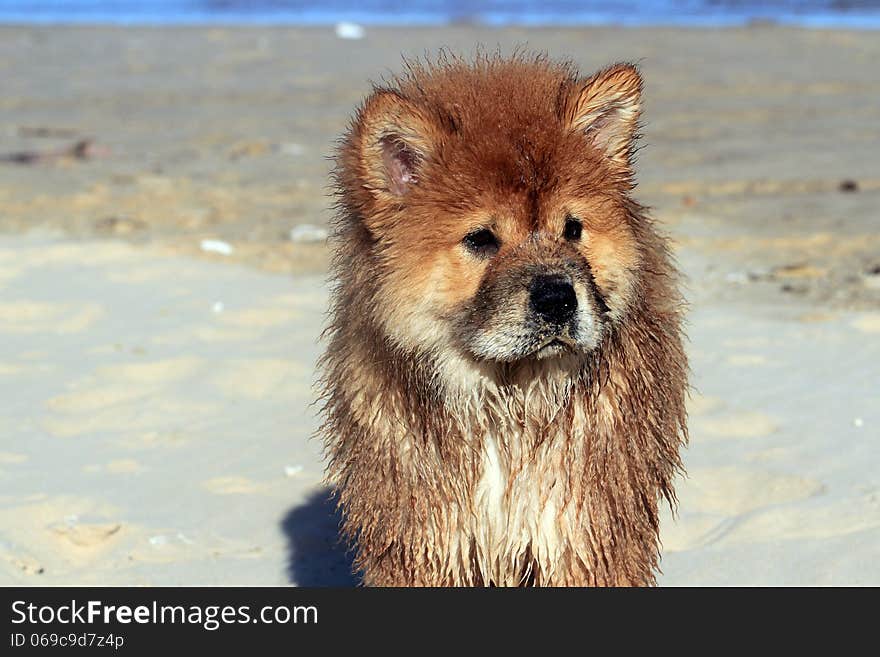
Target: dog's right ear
pixel 393 142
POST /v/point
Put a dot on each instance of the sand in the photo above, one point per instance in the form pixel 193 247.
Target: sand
pixel 158 387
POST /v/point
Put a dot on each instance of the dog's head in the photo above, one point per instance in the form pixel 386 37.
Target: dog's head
pixel 495 201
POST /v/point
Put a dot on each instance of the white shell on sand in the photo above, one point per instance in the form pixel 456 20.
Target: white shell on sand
pixel 216 246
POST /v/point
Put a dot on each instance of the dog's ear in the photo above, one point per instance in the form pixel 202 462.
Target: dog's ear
pixel 394 141
pixel 606 108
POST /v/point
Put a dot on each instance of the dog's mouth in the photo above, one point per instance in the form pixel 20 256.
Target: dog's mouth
pixel 554 346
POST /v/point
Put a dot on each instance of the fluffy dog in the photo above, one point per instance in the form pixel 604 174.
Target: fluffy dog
pixel 504 380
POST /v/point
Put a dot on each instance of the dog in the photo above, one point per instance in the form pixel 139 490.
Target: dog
pixel 503 385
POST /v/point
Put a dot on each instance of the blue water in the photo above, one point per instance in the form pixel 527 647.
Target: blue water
pixel 811 13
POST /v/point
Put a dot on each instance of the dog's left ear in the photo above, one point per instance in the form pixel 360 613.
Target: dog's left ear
pixel 606 108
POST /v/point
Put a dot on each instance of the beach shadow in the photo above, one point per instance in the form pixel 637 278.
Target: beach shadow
pixel 317 555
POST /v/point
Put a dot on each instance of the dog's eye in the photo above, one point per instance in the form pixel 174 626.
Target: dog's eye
pixel 572 229
pixel 482 243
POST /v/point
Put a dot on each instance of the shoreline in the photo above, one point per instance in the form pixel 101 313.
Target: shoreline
pixel 455 25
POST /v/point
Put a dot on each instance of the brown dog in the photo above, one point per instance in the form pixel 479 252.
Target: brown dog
pixel 504 381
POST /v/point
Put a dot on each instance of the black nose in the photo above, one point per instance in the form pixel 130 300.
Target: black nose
pixel 553 299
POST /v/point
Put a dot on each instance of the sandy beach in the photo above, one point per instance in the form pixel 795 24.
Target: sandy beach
pixel 163 205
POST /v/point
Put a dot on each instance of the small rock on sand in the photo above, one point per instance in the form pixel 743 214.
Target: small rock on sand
pixel 307 234
pixel 349 31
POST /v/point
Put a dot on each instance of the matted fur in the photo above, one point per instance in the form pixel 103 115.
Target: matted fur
pixel 454 470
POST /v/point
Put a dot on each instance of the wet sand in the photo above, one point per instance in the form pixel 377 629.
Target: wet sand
pixel 159 385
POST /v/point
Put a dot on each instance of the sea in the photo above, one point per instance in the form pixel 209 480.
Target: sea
pixel 861 14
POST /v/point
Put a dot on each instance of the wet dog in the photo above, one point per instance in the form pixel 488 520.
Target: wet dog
pixel 504 378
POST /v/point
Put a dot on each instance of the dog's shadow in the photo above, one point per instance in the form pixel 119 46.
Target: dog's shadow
pixel 317 555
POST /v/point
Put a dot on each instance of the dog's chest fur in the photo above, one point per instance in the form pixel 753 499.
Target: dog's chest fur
pixel 521 512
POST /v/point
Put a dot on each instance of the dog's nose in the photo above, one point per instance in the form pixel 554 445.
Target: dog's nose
pixel 553 299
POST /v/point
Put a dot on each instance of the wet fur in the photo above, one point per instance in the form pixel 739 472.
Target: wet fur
pixel 453 469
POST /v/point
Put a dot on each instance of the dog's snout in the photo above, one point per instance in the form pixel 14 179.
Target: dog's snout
pixel 553 299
